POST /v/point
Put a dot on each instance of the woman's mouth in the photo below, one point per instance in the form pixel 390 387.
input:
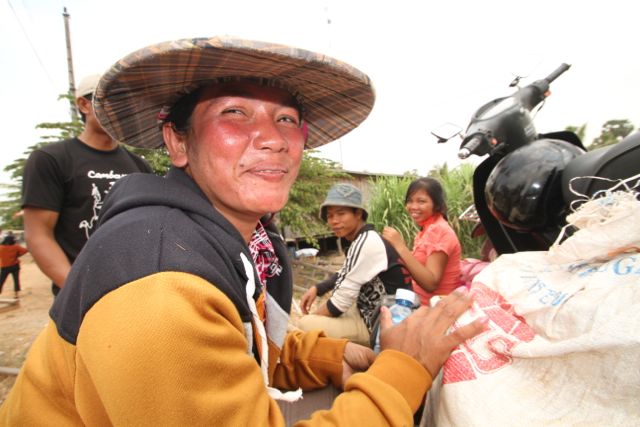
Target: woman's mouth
pixel 270 172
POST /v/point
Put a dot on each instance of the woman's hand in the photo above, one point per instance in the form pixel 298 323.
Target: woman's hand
pixel 357 358
pixel 394 237
pixel 425 334
pixel 427 275
pixel 307 299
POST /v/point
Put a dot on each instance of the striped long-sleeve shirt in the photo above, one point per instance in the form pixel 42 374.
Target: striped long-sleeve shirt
pixel 371 270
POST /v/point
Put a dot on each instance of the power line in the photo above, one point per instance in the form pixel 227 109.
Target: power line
pixel 33 48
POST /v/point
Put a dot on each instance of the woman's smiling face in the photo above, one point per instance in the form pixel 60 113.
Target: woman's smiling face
pixel 243 149
pixel 419 205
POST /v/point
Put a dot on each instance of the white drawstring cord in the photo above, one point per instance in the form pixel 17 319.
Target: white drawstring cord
pixel 289 396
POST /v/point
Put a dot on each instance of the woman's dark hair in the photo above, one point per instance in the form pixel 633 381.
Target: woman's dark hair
pixel 181 111
pixel 434 189
pixel 9 240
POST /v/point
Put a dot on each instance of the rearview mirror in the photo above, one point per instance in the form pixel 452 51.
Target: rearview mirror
pixel 446 131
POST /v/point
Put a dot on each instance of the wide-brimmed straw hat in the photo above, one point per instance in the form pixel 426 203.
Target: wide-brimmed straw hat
pixel 136 92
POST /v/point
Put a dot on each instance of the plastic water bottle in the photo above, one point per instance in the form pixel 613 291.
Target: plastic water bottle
pixel 402 308
pixel 399 311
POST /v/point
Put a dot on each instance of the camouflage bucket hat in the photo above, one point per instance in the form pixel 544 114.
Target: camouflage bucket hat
pixel 137 91
pixel 343 194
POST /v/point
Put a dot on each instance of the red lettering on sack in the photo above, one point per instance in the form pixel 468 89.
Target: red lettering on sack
pixel 459 370
pixel 491 350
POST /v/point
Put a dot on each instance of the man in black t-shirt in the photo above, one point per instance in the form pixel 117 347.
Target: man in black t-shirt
pixel 64 186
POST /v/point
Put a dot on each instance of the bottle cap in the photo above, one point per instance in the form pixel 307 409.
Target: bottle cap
pixel 406 294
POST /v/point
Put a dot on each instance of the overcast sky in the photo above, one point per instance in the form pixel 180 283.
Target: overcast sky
pixel 431 62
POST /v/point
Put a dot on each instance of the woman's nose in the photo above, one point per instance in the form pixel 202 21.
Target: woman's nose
pixel 267 135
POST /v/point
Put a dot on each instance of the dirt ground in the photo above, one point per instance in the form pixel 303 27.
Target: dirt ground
pixel 20 324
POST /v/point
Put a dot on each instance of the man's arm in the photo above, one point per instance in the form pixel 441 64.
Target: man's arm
pixel 327 284
pixel 22 251
pixel 366 258
pixel 47 253
pixel 307 299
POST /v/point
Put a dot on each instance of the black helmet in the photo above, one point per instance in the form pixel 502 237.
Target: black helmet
pixel 523 191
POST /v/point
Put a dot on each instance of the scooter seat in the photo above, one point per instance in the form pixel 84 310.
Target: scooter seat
pixel 618 161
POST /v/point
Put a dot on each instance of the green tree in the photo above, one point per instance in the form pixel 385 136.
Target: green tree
pixel 581 131
pixel 10 215
pixel 158 158
pixel 300 215
pixel 613 131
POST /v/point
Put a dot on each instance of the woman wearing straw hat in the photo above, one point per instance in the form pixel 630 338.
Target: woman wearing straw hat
pixel 175 312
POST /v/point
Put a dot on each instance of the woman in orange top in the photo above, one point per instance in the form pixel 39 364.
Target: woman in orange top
pixel 9 263
pixel 434 262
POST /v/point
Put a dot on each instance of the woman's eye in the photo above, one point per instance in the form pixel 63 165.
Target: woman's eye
pixel 232 111
pixel 289 119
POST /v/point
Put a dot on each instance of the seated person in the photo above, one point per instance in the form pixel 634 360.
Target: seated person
pixel 434 262
pixel 370 271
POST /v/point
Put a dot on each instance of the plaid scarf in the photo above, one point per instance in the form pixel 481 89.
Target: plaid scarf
pixel 263 254
pixel 266 262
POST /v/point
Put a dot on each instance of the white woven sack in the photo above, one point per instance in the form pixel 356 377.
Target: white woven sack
pixel 562 349
pixel 605 226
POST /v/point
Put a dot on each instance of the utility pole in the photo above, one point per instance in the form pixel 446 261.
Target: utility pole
pixel 72 85
pixel 329 37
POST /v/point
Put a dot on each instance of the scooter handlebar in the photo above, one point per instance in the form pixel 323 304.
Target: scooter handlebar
pixel 533 94
pixel 557 72
pixel 468 148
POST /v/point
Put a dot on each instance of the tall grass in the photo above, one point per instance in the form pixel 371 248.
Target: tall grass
pixel 458 187
pixel 386 205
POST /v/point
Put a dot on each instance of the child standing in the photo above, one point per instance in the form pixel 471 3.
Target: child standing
pixel 9 263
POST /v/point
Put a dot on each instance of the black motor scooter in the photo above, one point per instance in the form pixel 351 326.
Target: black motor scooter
pixel 523 190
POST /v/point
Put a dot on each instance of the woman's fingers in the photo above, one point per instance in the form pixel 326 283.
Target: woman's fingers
pixel 448 309
pixel 466 332
pixel 425 334
pixel 385 319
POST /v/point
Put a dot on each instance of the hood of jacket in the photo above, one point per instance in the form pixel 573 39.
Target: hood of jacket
pixel 150 224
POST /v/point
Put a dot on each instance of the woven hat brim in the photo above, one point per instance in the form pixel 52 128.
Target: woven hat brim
pixel 335 97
